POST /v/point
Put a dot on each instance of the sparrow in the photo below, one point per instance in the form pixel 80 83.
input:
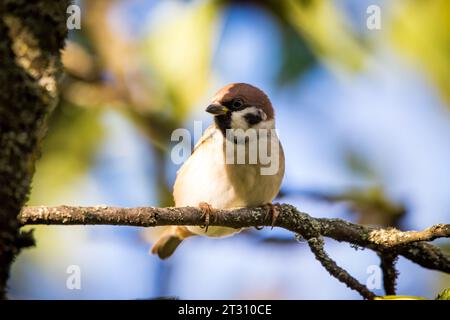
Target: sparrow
pixel 209 181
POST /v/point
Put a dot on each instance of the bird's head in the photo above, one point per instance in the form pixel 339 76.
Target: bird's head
pixel 241 106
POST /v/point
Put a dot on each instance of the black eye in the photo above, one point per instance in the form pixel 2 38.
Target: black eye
pixel 237 104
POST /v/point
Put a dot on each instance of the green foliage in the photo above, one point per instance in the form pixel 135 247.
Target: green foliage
pixel 444 295
pixel 420 31
pixel 297 57
pixel 327 32
pixel 179 55
pixel 399 298
pixel 68 151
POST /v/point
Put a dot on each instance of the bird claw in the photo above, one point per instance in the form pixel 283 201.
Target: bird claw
pixel 207 211
pixel 272 212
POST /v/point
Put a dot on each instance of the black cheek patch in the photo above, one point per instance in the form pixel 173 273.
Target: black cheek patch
pixel 223 122
pixel 253 119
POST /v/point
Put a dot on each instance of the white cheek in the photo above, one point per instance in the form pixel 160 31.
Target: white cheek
pixel 267 124
pixel 238 120
pixel 263 115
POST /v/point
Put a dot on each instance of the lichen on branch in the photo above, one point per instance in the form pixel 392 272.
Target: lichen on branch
pixel 408 244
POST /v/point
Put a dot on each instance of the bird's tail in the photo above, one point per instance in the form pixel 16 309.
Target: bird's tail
pixel 169 241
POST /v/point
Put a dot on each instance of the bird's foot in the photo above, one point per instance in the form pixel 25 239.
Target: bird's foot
pixel 207 212
pixel 272 212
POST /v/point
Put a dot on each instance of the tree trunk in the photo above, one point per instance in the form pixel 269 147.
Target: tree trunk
pixel 32 34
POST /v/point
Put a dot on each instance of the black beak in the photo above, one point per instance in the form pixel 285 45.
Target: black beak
pixel 217 109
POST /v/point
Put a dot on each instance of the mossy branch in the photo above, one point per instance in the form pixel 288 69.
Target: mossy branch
pixel 392 242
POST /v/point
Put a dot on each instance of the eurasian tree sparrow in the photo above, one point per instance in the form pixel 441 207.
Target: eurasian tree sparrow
pixel 208 180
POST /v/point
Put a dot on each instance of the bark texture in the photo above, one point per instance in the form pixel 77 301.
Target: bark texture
pixel 32 33
pixel 388 243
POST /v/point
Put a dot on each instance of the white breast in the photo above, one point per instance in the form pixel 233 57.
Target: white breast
pixel 205 178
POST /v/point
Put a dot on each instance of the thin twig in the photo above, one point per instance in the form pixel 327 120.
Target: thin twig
pixel 390 274
pixel 317 247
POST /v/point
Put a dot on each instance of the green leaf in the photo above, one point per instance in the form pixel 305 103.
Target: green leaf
pixel 444 295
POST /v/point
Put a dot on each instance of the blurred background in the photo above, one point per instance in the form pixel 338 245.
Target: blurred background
pixel 364 117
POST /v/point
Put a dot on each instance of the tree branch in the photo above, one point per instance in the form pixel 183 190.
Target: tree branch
pixel 317 247
pixel 386 242
pixel 390 273
pixel 393 237
pixel 290 218
pixel 422 253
